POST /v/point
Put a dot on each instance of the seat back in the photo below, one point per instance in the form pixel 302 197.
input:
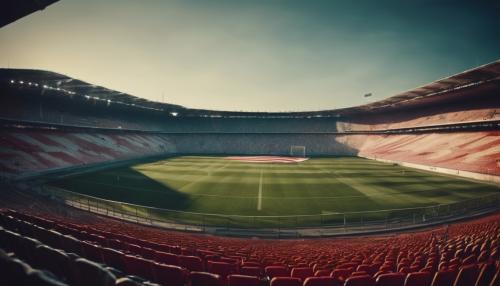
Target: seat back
pixel 276 271
pixel 169 274
pixel 197 278
pixel 418 279
pixel 166 258
pixel 467 275
pixel 302 272
pixel 138 266
pixel 365 280
pixel 391 279
pixel 444 278
pixel 321 281
pixel 251 271
pixel 87 272
pixel 242 280
pixel 340 274
pixel 221 268
pixel 113 258
pixel 193 263
pixel 285 281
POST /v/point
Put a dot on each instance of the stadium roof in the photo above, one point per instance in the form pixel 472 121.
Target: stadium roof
pixel 12 10
pixel 489 73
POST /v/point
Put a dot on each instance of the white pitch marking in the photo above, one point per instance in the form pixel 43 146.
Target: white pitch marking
pixel 259 202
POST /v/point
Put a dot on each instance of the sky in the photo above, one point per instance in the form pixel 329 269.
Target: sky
pixel 256 55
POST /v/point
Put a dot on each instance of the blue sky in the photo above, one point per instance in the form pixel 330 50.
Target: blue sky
pixel 259 55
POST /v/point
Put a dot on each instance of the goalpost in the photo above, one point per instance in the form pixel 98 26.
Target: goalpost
pixel 297 151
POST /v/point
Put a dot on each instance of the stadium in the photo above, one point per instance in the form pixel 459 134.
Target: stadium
pixel 103 187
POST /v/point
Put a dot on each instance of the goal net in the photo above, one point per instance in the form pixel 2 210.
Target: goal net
pixel 297 151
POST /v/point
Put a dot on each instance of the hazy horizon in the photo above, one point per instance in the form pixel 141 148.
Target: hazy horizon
pixel 259 55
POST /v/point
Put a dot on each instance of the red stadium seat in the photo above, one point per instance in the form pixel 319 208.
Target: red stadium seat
pixel 444 278
pixel 467 275
pixel 90 273
pixel 341 274
pixel 192 263
pixel 251 271
pixel 276 271
pixel 169 274
pixel 391 279
pixel 322 273
pixel 418 279
pixel 321 281
pixel 285 281
pixel 365 280
pixel 138 266
pixel 113 258
pixel 302 273
pixel 203 279
pixel 242 280
pixel 92 252
pixel 166 258
pixel 486 274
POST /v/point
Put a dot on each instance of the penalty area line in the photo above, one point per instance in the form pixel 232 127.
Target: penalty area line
pixel 259 199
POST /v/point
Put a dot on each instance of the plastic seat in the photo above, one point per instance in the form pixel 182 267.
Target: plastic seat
pixel 444 278
pixel 302 272
pixel 53 260
pixel 166 258
pixel 113 258
pixel 71 245
pixel 138 266
pixel 197 278
pixel 486 274
pixel 340 274
pixel 13 271
pixel 365 280
pixel 242 280
pixel 321 281
pixel 285 281
pixel 26 249
pixel 251 271
pixel 322 273
pixel 391 279
pixel 221 268
pixel 192 263
pixel 169 274
pixel 467 275
pixel 418 279
pixel 90 273
pixel 41 278
pixel 92 252
pixel 276 271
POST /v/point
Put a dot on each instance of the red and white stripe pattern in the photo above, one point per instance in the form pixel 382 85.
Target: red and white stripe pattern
pixel 267 159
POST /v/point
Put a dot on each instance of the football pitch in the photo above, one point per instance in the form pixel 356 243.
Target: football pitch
pixel 329 185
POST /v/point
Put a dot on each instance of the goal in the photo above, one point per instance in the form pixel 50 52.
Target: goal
pixel 297 151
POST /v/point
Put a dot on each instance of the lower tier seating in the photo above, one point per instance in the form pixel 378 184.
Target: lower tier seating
pixel 50 250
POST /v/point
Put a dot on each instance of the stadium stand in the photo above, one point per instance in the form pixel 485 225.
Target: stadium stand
pixel 81 249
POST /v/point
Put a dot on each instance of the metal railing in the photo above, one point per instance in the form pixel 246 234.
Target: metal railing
pixel 364 221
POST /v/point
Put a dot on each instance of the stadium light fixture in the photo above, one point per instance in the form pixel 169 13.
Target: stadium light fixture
pixel 174 113
pixel 12 81
pixel 21 82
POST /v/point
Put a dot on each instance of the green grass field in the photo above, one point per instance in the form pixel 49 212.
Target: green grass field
pixel 317 186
